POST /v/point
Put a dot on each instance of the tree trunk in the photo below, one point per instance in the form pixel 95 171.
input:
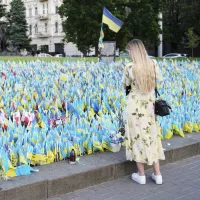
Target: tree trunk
pixel 192 52
pixel 96 51
pixel 84 53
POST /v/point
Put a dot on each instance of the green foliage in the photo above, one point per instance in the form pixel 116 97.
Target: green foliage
pixel 171 22
pixel 4 35
pixel 44 49
pixel 178 17
pixel 142 21
pixel 18 25
pixel 193 39
pixel 82 21
pixel 2 11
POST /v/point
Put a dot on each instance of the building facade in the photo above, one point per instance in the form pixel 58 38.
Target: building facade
pixel 45 27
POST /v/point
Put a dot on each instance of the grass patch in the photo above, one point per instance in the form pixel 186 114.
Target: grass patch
pixel 50 59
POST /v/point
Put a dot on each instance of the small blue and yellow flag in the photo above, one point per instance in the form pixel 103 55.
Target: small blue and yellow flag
pixel 113 23
pixel 101 45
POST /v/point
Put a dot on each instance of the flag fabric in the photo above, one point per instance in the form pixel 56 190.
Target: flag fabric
pixel 113 23
pixel 101 45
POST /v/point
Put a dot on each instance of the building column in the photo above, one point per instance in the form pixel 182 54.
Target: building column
pixel 51 46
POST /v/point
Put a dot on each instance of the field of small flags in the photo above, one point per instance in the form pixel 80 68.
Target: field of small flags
pixel 49 108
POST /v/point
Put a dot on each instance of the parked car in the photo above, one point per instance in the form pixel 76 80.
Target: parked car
pixel 175 55
pixel 58 55
pixel 44 55
pixel 123 54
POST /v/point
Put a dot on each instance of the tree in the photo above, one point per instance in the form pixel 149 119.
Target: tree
pixel 3 28
pixel 190 15
pixel 18 26
pixel 44 49
pixel 178 17
pixel 142 21
pixel 193 39
pixel 82 21
pixel 2 11
pixel 171 22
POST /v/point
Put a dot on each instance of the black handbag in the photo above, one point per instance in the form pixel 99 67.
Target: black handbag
pixel 162 108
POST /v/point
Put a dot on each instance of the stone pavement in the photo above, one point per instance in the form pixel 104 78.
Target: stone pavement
pixel 181 182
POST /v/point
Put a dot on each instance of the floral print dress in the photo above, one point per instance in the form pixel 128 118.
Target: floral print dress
pixel 143 135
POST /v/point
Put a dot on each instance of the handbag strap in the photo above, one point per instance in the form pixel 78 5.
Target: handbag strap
pixel 156 89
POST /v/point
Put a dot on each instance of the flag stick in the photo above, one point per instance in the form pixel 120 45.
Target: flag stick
pixel 100 48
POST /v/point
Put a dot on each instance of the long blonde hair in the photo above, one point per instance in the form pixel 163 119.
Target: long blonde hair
pixel 143 66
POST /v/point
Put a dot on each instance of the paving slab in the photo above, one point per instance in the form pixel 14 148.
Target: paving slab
pixel 61 177
pixel 176 186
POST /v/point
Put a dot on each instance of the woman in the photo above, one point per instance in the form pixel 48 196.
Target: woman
pixel 143 143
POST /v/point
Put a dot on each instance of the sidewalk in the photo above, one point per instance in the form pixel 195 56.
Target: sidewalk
pixel 181 182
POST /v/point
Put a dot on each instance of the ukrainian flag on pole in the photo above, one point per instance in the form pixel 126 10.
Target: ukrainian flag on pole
pixel 113 23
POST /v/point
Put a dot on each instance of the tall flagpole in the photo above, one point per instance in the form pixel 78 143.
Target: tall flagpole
pixel 160 36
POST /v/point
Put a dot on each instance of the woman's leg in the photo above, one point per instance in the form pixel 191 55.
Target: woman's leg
pixel 139 177
pixel 156 168
pixel 140 167
pixel 156 176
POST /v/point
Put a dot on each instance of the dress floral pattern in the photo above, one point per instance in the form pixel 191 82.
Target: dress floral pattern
pixel 143 135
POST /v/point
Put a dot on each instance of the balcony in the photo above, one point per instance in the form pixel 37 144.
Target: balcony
pixel 43 0
pixel 43 35
pixel 43 17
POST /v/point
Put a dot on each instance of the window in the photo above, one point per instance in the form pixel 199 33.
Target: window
pixel 30 12
pixel 43 9
pixel 46 27
pixel 36 29
pixel 56 9
pixel 36 11
pixel 30 29
pixel 56 27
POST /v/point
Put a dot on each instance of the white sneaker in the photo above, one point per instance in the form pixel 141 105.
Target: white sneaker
pixel 157 179
pixel 139 179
